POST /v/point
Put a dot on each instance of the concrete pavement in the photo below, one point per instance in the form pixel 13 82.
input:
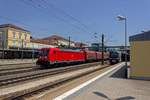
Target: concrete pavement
pixel 16 61
pixel 113 86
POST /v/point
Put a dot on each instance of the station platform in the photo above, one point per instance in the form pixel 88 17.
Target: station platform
pixel 112 86
pixel 16 61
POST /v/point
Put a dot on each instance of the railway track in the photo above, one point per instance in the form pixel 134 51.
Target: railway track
pixel 21 68
pixel 33 74
pixel 16 68
pixel 8 80
pixel 14 71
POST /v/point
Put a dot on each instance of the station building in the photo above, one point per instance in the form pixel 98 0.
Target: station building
pixel 140 56
pixel 59 41
pixel 54 40
pixel 12 36
pixel 15 37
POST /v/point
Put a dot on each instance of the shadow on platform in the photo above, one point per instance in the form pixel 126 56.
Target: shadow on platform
pixel 108 98
pixel 121 73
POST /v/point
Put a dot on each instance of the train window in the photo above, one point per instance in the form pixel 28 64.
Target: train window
pixel 44 52
pixel 114 55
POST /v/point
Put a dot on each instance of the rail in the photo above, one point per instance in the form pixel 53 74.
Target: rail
pixel 13 78
pixel 66 73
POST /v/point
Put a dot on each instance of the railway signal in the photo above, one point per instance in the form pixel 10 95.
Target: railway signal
pixel 69 41
pixel 102 49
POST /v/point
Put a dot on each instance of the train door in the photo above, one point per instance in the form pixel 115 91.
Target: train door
pixel 54 55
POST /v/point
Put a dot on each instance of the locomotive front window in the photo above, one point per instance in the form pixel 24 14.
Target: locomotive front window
pixel 114 55
pixel 44 52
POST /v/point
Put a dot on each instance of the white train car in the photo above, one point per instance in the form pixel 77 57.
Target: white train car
pixel 39 45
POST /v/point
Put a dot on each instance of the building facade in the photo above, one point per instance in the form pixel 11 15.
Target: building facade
pixel 59 41
pixel 55 40
pixel 12 36
pixel 139 54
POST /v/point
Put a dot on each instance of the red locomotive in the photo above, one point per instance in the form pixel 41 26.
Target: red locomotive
pixel 49 56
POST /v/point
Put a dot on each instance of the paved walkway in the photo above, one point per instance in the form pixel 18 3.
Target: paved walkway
pixel 114 87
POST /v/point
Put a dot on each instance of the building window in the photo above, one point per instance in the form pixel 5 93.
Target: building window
pixel 14 35
pixel 25 36
pixel 1 36
pixel 20 35
pixel 25 44
pixel 19 43
pixel 14 43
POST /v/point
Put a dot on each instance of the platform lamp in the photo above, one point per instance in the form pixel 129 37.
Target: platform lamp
pixel 122 18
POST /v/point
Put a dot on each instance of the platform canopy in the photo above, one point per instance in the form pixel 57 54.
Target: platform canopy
pixel 140 37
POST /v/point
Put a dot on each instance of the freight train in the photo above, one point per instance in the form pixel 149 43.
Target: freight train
pixel 51 56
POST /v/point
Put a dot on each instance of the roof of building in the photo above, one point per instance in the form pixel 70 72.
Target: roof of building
pixel 79 44
pixel 12 26
pixel 41 41
pixel 140 37
pixel 56 37
pixel 51 40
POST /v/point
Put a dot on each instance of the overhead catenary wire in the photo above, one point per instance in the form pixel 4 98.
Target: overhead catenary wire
pixel 65 13
pixel 43 9
pixel 22 23
pixel 76 26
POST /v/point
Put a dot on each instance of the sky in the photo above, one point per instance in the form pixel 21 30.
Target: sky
pixel 79 19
